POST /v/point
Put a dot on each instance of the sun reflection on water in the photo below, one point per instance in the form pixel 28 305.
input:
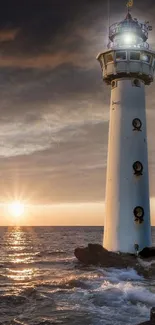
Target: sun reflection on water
pixel 18 242
pixel 21 275
pixel 19 253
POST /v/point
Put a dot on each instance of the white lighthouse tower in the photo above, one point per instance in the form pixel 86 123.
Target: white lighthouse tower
pixel 127 65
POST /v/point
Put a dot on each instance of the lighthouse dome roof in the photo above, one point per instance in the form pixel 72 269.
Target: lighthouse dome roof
pixel 129 25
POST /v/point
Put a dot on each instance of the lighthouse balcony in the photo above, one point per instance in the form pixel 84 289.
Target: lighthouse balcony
pixel 127 63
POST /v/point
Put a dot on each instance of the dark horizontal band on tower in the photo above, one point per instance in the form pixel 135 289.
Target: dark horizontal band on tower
pixel 146 79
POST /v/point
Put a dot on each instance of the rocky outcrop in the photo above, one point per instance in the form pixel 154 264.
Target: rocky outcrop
pixel 95 254
pixel 147 252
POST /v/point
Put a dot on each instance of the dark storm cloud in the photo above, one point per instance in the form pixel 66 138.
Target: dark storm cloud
pixel 30 92
pixel 55 30
pixel 40 24
pixel 53 105
pixel 50 34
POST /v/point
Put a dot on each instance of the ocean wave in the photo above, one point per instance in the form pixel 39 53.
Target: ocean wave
pixel 83 281
pixel 59 252
pixel 62 285
pixel 146 264
pixel 115 275
pixel 12 300
pixel 125 291
pixel 52 252
pixel 30 292
pixel 74 283
pixel 37 263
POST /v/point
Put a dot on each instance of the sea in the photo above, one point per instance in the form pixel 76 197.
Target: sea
pixel 42 283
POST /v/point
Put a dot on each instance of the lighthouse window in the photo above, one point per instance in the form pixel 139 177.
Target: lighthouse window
pixel 113 84
pixel 138 168
pixel 120 56
pixel 137 124
pixel 139 214
pixel 135 55
pixel 146 57
pixel 136 83
pixel 109 58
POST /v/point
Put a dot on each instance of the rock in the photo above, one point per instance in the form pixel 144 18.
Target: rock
pixel 152 314
pixel 92 254
pixel 97 248
pixel 95 254
pixel 147 252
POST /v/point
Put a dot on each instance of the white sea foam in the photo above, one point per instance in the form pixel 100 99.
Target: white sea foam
pixel 128 291
pixel 115 275
pixel 146 264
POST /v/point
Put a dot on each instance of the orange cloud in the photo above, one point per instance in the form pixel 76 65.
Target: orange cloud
pixel 46 60
pixel 8 34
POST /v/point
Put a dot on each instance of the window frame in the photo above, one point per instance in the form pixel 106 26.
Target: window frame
pixel 106 55
pixel 120 60
pixel 137 60
pixel 138 85
pixel 137 128
pixel 136 171
pixel 115 84
pixel 147 54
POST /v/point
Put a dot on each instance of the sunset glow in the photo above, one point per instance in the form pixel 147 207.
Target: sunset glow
pixel 16 208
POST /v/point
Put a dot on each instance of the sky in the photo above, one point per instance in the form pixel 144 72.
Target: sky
pixel 54 108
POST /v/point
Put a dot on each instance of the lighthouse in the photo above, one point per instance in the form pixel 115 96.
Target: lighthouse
pixel 127 66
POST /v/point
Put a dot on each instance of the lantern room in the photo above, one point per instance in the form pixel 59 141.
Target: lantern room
pixel 128 53
pixel 129 33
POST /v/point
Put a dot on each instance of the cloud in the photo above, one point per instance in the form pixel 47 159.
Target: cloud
pixel 44 61
pixel 54 107
pixel 7 35
pixel 66 162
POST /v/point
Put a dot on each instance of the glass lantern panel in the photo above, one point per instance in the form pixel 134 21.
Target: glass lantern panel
pixel 135 55
pixel 146 57
pixel 121 55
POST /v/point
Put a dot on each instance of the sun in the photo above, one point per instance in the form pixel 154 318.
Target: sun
pixel 16 208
